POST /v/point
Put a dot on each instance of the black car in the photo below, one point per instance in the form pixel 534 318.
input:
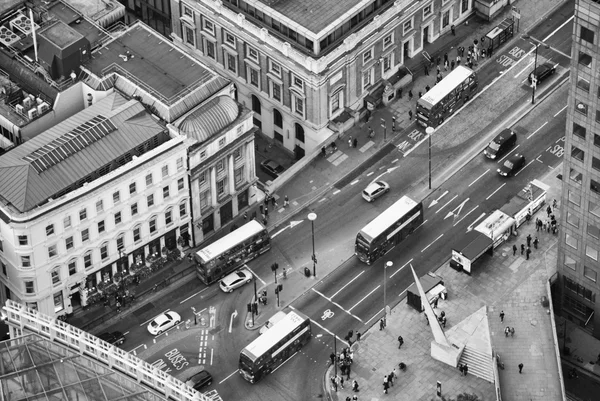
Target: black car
pixel 199 380
pixel 114 338
pixel 512 165
pixel 542 72
pixel 501 144
pixel 272 168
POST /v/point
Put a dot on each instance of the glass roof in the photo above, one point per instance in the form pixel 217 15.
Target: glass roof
pixel 35 368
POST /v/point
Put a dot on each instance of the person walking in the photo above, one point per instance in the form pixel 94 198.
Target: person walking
pixel 522 249
pixel 514 249
pixel 355 386
pixel 465 369
pixel 521 368
pixel 453 29
pixel 400 341
pixel 350 141
pixel 358 335
pixel 410 114
pixel 332 357
pixel 426 69
pixel 444 321
pixel 355 143
pixel 427 88
pixel 393 376
pixel 536 242
pixel 458 58
pixel 501 316
pixel 410 94
pixel 286 201
pixel 381 324
pixel 549 211
pixel 528 252
pixel 452 65
pixel 528 240
pixel 512 331
pixel 385 384
pixel 506 331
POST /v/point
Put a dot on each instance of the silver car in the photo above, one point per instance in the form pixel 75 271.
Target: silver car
pixel 235 280
pixel 374 190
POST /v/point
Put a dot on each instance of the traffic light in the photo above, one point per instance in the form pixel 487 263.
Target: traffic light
pixel 276 290
pixel 255 308
pixel 280 287
pixel 274 266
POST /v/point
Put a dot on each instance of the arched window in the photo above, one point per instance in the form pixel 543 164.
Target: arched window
pixel 104 251
pixel 299 132
pixel 87 259
pixel 277 118
pixel 256 105
pixel 121 242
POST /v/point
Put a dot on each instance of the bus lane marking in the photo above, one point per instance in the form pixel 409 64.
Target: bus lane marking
pixel 536 131
pixel 354 182
pixel 365 297
pixel 470 211
pixel 397 271
pixel 328 314
pixel 477 179
pixel 455 196
pixel 347 284
pixel 424 249
pixel 492 194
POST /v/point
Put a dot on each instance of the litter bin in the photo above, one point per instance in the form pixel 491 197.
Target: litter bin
pixel 306 271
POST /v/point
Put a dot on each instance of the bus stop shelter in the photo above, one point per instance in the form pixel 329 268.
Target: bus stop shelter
pixel 434 289
pixel 500 34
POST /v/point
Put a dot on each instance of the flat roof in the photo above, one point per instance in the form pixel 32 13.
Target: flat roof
pixel 215 249
pixel 446 85
pixel 276 333
pixel 380 223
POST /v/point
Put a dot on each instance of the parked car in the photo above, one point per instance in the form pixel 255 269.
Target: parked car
pixel 163 322
pixel 272 168
pixel 542 72
pixel 235 280
pixel 512 165
pixel 114 338
pixel 199 380
pixel 502 143
pixel 374 190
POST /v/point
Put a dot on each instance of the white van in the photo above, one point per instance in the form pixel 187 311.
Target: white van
pixel 272 321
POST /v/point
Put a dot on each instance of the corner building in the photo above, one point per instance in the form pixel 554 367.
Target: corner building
pixel 578 287
pixel 305 67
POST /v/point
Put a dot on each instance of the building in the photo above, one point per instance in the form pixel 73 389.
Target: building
pixel 154 13
pixel 307 67
pixel 578 284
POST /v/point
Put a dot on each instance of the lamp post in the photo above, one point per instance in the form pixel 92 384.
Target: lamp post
pixel 312 217
pixel 123 271
pixel 429 131
pixel 387 264
pixel 532 76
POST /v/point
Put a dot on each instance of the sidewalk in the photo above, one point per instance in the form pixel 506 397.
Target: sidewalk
pixel 502 282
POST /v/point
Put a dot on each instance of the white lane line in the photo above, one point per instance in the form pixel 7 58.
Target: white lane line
pixel 508 154
pixel 423 223
pixel 527 165
pixel 256 275
pixel 559 28
pixel 481 216
pixel 424 249
pixel 455 196
pixel 337 191
pixel 354 182
pixel 233 373
pixel 376 315
pixel 193 295
pixel 322 200
pixel 560 111
pixel 127 332
pixel 470 211
pixel 370 174
pixel 323 327
pixel 397 271
pixel 336 304
pixel 476 179
pixel 133 350
pixel 365 297
pixel 536 131
pixel 149 320
pixel 395 161
pixel 212 351
pixel 492 194
pixel 527 66
pixel 321 294
pixel 347 284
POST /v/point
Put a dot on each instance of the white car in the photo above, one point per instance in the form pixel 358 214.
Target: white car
pixel 163 322
pixel 374 190
pixel 236 279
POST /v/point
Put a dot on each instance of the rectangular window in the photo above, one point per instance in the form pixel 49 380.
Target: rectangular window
pixel 52 251
pixel 117 218
pixel 298 105
pixel 252 54
pixel 202 178
pixel 210 50
pixel 23 240
pixel 204 198
pixel 99 206
pixel 583 83
pixel 597 118
pixel 26 261
pixel 336 101
pixel 388 40
pixel 585 59
pixel 575 176
pixel 165 171
pixel 87 260
pixel 274 68
pixel 149 179
pixel 577 153
pixel 180 184
pixel 427 10
pixel 221 187
pixel 367 56
pixel 220 165
pixel 132 188
pixel 579 130
pixel 237 154
pixel 586 34
pixel 49 230
pixel 591 252
pixel 366 79
pixel 275 90
pixel 55 277
pixel 229 39
pixel 72 268
pixel 239 175
pixel 168 217
pixel 208 26
pixel 190 35
pixel 569 240
pixel 116 197
pixel 594 208
pixel 69 243
pixel 85 235
pixel 595 186
pixel 179 163
pixel 570 262
pixel 101 227
pixel 134 209
pixel 120 243
pixel 254 79
pixel 581 107
pixel 407 26
pixel 136 234
pixel 188 11
pixel 222 142
pixel 387 63
pixel 231 62
pixel 574 198
pixel 573 219
pixel 82 214
pixel 29 287
pixel 593 231
pixel 595 163
pixel 150 200
pixel 297 82
pixel 590 273
pixel 165 192
pixel 104 251
pixel 153 226
pixel 67 222
pixel 182 209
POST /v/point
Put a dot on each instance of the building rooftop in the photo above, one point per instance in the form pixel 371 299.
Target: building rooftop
pixel 142 62
pixel 70 151
pixel 210 118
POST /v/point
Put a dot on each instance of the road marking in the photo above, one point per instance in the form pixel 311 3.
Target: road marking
pixel 336 304
pixel 370 174
pixel 322 200
pixel 376 315
pixel 354 182
pixel 193 295
pixel 396 160
pixel 424 249
pixel 455 196
pixel 560 111
pixel 558 29
pixel 212 351
pixel 347 284
pixel 470 211
pixel 457 210
pixel 473 223
pixel 256 275
pixel 436 201
pixel 492 194
pixel 423 223
pixel 233 373
pixel 508 154
pixel 151 319
pixel 476 179
pixel 365 297
pixel 133 350
pixel 527 66
pixel 127 332
pixel 527 165
pixel 535 132
pixel 337 191
pixel 401 268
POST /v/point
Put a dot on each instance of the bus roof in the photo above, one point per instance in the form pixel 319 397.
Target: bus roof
pixel 275 334
pixel 446 85
pixel 215 249
pixel 380 223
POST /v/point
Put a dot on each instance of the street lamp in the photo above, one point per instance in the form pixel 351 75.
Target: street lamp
pixel 429 131
pixel 387 264
pixel 312 217
pixel 533 77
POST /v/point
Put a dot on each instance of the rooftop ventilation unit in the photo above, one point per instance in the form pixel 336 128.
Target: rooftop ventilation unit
pixel 33 113
pixel 43 107
pixel 7 37
pixel 22 24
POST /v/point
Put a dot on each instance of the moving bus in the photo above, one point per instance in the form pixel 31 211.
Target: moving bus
pixel 447 96
pixel 278 344
pixel 232 251
pixel 388 229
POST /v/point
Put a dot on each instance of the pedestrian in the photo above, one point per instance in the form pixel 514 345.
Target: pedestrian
pixel 358 335
pixel 410 114
pixel 537 224
pixel 453 30
pixel 286 201
pixel 506 331
pixel 355 143
pixel 426 69
pixel 333 384
pixel 385 384
pixel 323 151
pixel 522 249
pixel 445 58
pixel 351 333
pixel 512 331
pixel 458 58
pixel 332 357
pixel 514 250
pixel 528 240
pixel 438 70
pixel 410 94
pixel 393 376
pixel 536 242
pixel 446 65
pixel 501 316
pixel 444 321
pixel 528 252
pixel 420 94
pixel 465 369
pixel 426 319
pixel 350 141
pixel 400 341
pixel 471 63
pixel 549 211
pixel 348 398
pixel 489 50
pixel 520 367
pixel 265 221
pixel 355 386
pixel 341 380
pixel 427 88
pixel 439 61
pixel 461 368
pixel 469 53
pixel 245 215
pixel 439 77
pixel 355 397
pixel 452 65
pixel 381 324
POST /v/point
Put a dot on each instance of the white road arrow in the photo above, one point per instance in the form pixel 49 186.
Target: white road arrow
pixel 233 316
pixel 436 201
pixel 389 170
pixel 291 225
pixel 472 225
pixel 456 211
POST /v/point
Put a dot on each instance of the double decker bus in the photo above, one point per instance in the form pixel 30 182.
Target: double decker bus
pixel 447 96
pixel 232 251
pixel 388 229
pixel 272 348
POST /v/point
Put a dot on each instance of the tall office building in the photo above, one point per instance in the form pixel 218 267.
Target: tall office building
pixel 578 264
